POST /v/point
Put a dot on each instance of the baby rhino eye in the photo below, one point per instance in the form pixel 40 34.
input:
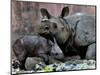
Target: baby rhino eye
pixel 54 25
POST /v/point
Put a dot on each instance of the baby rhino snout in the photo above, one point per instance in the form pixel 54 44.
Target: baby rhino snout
pixel 58 55
pixel 57 52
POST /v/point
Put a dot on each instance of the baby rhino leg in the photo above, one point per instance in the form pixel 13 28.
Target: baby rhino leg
pixel 91 51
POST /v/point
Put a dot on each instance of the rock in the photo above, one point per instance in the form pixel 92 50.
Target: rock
pixel 39 66
pixel 59 68
pixel 52 60
pixel 64 67
pixel 31 61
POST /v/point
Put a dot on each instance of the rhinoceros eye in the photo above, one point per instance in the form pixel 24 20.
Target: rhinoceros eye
pixel 54 25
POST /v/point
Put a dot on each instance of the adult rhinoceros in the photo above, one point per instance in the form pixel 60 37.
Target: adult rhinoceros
pixel 75 33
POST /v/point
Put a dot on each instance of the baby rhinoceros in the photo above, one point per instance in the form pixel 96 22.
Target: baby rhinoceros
pixel 35 46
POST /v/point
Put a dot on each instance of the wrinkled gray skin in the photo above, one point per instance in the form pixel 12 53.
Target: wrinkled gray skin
pixel 35 46
pixel 74 34
pixel 91 51
pixel 84 27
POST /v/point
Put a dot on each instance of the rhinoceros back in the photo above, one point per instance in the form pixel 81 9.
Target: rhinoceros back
pixel 85 28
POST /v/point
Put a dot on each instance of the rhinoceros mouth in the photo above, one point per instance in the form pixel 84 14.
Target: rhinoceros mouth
pixel 62 37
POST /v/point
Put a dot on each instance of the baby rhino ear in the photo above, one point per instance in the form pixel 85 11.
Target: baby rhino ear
pixel 65 12
pixel 45 14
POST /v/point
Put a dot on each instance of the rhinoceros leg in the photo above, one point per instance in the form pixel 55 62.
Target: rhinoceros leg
pixel 91 51
pixel 20 54
pixel 22 58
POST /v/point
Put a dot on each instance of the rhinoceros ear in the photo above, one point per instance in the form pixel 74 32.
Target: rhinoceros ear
pixel 65 12
pixel 45 14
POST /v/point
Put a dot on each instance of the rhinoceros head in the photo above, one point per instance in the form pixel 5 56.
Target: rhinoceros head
pixel 55 25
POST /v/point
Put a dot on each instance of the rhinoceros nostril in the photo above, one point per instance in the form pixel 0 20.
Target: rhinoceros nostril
pixel 46 28
pixel 56 53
